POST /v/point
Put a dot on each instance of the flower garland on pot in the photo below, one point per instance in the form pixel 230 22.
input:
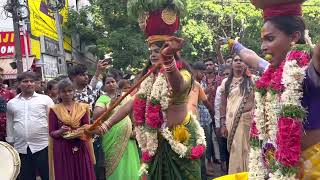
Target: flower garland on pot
pixel 277 126
pixel 150 115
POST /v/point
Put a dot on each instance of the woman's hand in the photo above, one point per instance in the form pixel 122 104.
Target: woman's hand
pixel 64 129
pixel 96 131
pixel 171 46
pixel 224 132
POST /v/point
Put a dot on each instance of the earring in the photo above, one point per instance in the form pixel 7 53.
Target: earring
pixel 293 43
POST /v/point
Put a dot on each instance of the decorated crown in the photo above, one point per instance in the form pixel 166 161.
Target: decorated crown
pixel 158 19
pixel 279 7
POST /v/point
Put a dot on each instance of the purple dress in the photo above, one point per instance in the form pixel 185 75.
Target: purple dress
pixel 311 98
pixel 72 159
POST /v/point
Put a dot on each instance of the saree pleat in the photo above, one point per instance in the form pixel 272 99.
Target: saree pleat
pixel 117 152
pixel 167 165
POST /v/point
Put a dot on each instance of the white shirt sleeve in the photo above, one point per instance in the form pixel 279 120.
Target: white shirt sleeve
pixel 94 82
pixel 217 103
pixel 9 128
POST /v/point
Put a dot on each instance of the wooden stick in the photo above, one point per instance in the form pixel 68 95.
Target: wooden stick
pixel 105 115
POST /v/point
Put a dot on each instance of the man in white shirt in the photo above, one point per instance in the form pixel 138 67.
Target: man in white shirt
pixel 27 128
pixel 224 155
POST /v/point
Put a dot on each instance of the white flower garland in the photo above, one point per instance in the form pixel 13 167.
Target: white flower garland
pixel 176 146
pixel 145 87
pixel 148 140
pixel 292 79
pixel 257 170
pixel 278 176
pixel 141 137
pixel 259 114
pixel 180 148
pixel 160 91
pixel 272 111
pixel 143 169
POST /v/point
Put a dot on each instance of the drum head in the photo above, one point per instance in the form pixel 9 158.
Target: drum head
pixel 9 162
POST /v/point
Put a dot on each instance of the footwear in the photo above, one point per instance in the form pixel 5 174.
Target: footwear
pixel 210 172
pixel 224 167
pixel 217 161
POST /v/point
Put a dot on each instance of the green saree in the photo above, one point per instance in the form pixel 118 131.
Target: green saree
pixel 167 165
pixel 117 143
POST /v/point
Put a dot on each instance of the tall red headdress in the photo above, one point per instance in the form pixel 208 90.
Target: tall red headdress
pixel 273 8
pixel 158 19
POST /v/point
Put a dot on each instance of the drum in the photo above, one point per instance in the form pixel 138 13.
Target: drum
pixel 9 162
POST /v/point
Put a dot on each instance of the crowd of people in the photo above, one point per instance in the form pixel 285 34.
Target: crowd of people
pixel 182 120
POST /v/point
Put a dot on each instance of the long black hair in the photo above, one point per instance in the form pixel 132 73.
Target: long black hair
pixel 245 86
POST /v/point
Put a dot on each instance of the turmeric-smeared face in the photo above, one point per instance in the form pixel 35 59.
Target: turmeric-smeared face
pixel 275 43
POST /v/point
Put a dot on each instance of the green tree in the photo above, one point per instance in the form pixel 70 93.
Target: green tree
pixel 106 24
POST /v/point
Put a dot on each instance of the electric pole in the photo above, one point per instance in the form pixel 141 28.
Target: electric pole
pixel 60 39
pixel 17 42
pixel 56 6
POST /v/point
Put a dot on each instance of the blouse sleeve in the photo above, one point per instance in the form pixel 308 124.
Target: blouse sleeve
pixel 53 123
pixel 103 101
pixel 187 78
pixel 182 97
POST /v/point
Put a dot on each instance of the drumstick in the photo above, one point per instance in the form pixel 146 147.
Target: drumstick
pixel 105 114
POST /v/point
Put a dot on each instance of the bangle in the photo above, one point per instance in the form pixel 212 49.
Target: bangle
pixel 101 130
pixel 170 67
pixel 167 59
pixel 104 127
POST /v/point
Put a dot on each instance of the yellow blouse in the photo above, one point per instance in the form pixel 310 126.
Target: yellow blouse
pixel 182 97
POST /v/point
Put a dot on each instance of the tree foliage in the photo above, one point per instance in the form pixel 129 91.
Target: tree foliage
pixel 106 24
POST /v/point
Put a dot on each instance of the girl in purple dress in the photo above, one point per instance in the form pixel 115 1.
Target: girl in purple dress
pixel 70 159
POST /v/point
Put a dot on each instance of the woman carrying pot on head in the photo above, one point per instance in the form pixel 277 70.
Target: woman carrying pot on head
pixel 280 113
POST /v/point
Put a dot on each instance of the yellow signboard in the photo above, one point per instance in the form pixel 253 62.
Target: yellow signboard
pixel 42 22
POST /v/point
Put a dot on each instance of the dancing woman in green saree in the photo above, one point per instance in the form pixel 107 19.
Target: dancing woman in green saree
pixel 170 147
pixel 120 150
pixel 171 141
